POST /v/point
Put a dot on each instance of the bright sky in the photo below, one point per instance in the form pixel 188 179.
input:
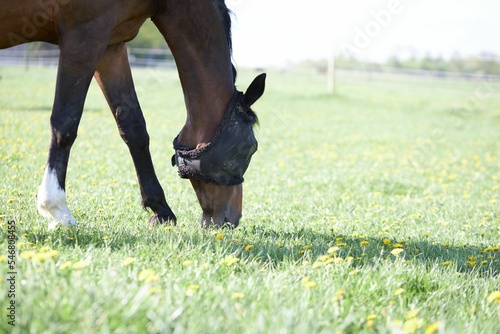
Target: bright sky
pixel 279 32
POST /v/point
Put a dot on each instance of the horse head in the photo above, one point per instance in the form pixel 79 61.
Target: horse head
pixel 216 168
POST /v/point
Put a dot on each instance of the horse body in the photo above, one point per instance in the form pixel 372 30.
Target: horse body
pixel 91 35
pixel 47 20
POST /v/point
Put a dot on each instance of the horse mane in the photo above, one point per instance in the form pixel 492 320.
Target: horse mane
pixel 225 14
pixel 226 21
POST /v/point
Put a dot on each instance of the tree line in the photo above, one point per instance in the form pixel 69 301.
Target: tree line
pixel 484 64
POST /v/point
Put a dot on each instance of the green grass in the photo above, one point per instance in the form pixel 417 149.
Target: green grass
pixel 338 183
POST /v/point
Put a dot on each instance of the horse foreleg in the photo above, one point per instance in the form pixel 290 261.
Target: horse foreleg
pixel 115 79
pixel 76 67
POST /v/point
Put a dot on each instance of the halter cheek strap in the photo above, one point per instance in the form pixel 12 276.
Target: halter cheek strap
pixel 226 157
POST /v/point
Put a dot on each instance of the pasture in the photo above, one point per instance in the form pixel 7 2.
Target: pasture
pixel 372 211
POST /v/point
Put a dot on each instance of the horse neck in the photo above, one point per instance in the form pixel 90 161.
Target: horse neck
pixel 196 38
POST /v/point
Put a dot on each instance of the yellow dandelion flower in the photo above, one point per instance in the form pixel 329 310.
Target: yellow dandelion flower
pixel 494 297
pixel 238 295
pixel 410 326
pixel 386 242
pixel 145 273
pixel 446 263
pixel 370 324
pixel 324 258
pixel 229 261
pixel 128 261
pixel 412 314
pixel 191 289
pixel 338 295
pixel 154 290
pixel 318 264
pixel 396 251
pixel 248 247
pixel 364 243
pixel 432 328
pixel 152 279
pixel 472 263
pixel 40 257
pixel 397 246
pixel 2 258
pixel 27 254
pixel 332 249
pixel 79 265
pixel 220 236
pixel 148 276
pixel 371 317
pixel 187 263
pixel 399 291
pixel 65 265
pixel 308 284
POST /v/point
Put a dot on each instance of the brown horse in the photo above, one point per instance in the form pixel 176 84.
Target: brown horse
pixel 213 148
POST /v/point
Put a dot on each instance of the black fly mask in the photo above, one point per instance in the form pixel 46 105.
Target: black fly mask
pixel 226 157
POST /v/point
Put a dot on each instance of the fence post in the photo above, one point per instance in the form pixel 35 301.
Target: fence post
pixel 330 84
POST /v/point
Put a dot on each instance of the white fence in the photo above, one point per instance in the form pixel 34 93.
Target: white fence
pixel 24 56
pixel 162 58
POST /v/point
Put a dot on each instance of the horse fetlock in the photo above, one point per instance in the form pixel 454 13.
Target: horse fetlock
pixel 51 201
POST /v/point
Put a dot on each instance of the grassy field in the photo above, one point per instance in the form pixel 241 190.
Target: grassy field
pixel 372 211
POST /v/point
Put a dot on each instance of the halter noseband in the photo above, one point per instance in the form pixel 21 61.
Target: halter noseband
pixel 226 157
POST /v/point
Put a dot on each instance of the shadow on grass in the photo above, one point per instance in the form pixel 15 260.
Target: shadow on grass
pixel 307 244
pixel 274 248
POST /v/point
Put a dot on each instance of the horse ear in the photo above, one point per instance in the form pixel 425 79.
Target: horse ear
pixel 255 90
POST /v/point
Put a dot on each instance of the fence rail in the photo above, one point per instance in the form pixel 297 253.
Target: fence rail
pixel 22 55
pixel 162 58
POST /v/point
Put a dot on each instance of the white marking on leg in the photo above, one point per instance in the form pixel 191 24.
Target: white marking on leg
pixel 52 201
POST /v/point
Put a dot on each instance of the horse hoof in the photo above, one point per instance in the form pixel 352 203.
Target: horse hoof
pixel 162 219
